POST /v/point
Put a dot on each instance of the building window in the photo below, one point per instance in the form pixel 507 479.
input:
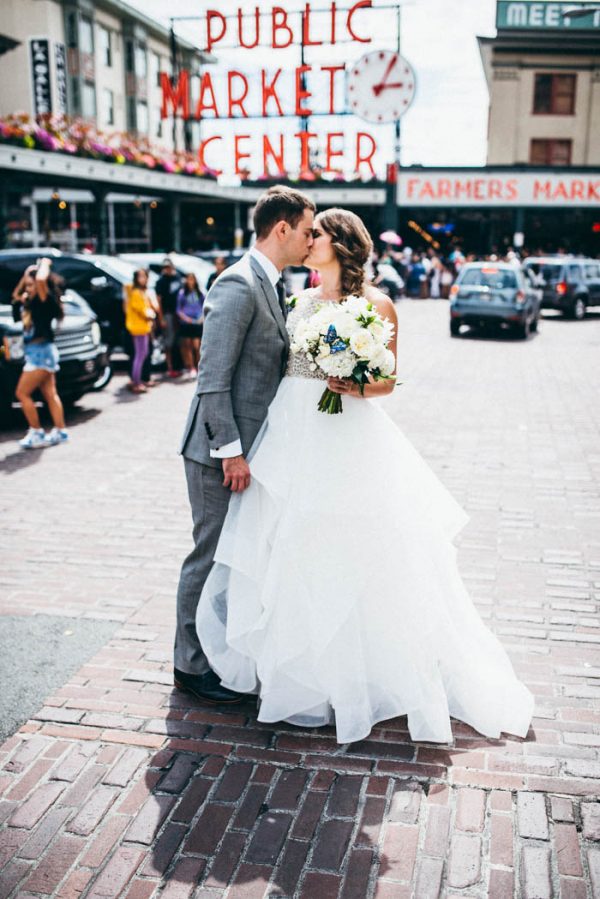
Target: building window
pixel 155 67
pixel 550 152
pixel 554 94
pixel 105 41
pixel 159 123
pixel 108 104
pixel 88 101
pixel 86 36
pixel 141 68
pixel 142 117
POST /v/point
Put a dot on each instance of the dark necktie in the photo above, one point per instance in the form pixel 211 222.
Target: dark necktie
pixel 281 295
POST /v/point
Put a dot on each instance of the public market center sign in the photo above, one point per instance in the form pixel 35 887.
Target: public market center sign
pixel 378 88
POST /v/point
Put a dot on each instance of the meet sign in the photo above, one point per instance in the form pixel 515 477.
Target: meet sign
pixel 529 14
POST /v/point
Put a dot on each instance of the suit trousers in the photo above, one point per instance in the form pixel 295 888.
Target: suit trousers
pixel 209 500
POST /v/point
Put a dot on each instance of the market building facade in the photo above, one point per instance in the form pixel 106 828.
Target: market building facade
pixel 540 189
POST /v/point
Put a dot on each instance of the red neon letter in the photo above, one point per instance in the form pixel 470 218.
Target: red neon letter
pixel 212 39
pixel 330 152
pixel 256 28
pixel 236 101
pixel 332 39
pixel 306 29
pixel 279 23
pixel 201 151
pixel 332 70
pixel 360 5
pixel 206 85
pixel 304 136
pixel 366 159
pixel 178 97
pixel 277 157
pixel 268 91
pixel 301 92
pixel 238 154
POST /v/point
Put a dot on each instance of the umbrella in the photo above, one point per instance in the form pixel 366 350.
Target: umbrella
pixel 391 237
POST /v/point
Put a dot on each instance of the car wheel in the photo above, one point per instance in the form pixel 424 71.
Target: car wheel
pixel 523 330
pixel 534 325
pixel 454 329
pixel 577 311
pixel 103 380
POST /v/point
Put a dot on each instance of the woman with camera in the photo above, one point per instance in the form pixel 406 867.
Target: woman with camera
pixel 36 302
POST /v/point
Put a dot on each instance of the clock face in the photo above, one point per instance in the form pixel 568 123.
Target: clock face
pixel 381 86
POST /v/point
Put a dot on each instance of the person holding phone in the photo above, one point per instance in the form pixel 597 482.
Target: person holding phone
pixel 37 303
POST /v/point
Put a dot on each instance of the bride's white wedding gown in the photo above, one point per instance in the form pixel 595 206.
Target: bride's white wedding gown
pixel 335 593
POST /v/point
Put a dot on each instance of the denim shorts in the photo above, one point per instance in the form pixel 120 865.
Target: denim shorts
pixel 41 355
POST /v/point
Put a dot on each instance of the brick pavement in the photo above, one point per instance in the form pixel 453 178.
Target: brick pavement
pixel 120 786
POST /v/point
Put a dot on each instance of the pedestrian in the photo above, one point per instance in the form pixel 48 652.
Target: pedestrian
pixel 190 313
pixel 140 315
pixel 245 349
pixel 167 288
pixel 37 303
pixel 416 276
pixel 220 266
pixel 446 279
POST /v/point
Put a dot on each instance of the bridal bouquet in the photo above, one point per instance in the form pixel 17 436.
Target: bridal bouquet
pixel 346 340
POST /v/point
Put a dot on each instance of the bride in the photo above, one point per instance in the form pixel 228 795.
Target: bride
pixel 335 593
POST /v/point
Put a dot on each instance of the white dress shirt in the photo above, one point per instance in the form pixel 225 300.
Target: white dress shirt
pixel 273 274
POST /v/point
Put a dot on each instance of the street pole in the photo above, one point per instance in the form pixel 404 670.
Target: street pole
pixel 173 46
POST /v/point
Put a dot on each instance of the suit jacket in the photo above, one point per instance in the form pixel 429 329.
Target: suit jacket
pixel 245 346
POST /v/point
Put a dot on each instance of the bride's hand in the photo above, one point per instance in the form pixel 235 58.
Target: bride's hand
pixel 343 386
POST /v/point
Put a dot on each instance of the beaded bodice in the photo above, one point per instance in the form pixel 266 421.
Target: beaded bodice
pixel 298 365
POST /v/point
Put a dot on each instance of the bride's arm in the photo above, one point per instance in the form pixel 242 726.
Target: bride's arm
pixel 386 309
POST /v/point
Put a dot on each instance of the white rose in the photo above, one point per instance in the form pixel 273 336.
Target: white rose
pixel 378 357
pixel 389 364
pixel 361 343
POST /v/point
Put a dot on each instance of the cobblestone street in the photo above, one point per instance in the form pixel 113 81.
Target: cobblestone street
pixel 120 786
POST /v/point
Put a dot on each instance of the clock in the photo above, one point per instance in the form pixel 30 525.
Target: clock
pixel 381 86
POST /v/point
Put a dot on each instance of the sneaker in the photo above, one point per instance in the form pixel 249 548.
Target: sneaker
pixel 173 374
pixel 35 438
pixel 56 436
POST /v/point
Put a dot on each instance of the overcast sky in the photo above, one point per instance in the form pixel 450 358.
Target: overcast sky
pixel 447 122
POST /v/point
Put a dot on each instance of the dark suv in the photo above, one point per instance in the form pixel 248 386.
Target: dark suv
pixel 98 279
pixel 569 284
pixel 84 364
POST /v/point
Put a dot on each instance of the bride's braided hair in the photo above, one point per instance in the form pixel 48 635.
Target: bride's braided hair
pixel 352 245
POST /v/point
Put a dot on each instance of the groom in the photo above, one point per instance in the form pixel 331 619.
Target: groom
pixel 244 353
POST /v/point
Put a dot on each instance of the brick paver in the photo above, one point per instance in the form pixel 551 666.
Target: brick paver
pixel 121 787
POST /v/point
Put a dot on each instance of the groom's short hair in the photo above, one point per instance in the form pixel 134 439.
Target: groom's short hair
pixel 279 203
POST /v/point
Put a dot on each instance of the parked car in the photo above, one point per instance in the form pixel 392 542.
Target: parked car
pixel 84 362
pixel 497 293
pixel 98 279
pixel 569 284
pixel 183 262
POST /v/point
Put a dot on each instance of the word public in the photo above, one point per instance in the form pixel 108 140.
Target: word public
pixel 272 94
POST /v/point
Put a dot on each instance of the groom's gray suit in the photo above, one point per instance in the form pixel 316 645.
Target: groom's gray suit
pixel 244 353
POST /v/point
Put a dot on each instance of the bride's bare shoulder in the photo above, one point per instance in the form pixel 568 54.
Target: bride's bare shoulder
pixel 384 305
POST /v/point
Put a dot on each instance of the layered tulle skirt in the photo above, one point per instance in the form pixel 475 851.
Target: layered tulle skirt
pixel 335 593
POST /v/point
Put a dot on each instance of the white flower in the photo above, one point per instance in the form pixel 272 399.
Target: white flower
pixel 362 343
pixel 389 364
pixel 378 357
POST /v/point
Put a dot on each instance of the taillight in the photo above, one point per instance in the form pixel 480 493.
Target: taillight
pixel 561 288
pixel 454 290
pixel 520 297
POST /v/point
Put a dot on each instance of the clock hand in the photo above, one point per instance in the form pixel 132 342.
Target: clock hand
pixel 377 88
pixel 390 66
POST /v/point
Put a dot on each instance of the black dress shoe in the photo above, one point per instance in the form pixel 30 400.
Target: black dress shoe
pixel 206 687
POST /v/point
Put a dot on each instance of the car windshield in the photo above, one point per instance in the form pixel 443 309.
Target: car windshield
pixel 119 268
pixel 492 277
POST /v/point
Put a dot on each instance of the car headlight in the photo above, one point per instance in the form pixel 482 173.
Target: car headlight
pixel 14 347
pixel 96 333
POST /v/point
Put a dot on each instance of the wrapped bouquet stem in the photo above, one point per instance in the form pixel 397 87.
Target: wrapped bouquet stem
pixel 346 340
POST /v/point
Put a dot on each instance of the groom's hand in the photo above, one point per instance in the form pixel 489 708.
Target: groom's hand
pixel 237 474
